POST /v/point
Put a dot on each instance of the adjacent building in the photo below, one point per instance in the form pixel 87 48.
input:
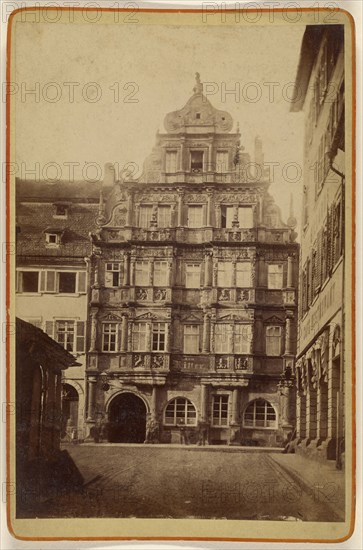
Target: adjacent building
pixel 53 225
pixel 319 367
pixel 193 294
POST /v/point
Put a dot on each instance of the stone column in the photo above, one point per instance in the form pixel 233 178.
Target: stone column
pixel 210 158
pixel 93 335
pixel 209 209
pixel 154 403
pixel 203 402
pixel 208 269
pixel 132 271
pixel 126 269
pixel 217 211
pixel 148 336
pixel 333 388
pixel 170 274
pixel 215 273
pixel 212 332
pixel 290 268
pixel 235 400
pixel 311 424
pixel 180 210
pixel 91 397
pixel 130 210
pixel 300 415
pixel 322 410
pixel 288 335
pixel 124 331
pixel 234 274
pixel 167 337
pixel 206 331
pixel 151 272
pixel 181 156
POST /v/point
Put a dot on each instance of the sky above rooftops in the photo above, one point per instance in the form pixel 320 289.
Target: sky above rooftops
pixel 101 94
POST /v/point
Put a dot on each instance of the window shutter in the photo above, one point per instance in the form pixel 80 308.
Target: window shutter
pixel 43 275
pixel 50 281
pixel 80 337
pixel 82 281
pixel 49 328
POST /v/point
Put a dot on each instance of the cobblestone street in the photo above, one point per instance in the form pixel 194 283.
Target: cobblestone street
pixel 210 482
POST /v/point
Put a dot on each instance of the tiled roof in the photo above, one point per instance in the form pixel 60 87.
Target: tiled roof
pixel 34 219
pixel 44 191
pixel 41 348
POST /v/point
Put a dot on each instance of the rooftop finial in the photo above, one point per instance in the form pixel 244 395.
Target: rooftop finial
pixel 198 88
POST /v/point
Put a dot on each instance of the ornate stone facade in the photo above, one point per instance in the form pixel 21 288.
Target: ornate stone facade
pixel 193 275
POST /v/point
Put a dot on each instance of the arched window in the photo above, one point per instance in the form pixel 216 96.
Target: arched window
pixel 259 414
pixel 180 411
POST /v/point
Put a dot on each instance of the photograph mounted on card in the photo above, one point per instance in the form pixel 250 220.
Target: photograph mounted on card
pixel 180 199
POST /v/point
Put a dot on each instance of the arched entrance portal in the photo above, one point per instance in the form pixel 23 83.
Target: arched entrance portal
pixel 127 419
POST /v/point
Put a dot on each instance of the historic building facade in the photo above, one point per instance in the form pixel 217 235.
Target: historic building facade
pixel 53 225
pixel 193 294
pixel 319 368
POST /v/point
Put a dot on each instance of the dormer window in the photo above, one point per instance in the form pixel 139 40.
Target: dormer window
pixel 53 237
pixel 196 161
pixel 60 210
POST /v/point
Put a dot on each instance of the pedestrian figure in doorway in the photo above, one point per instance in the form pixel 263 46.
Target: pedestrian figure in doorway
pixel 152 431
pixel 184 432
pixel 202 433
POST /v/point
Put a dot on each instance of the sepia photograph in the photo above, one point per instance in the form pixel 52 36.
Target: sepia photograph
pixel 181 276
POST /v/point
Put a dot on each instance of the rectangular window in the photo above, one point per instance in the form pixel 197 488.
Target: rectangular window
pixel 191 339
pixel 109 337
pixel 224 274
pixel 273 341
pixel 66 282
pixel 195 216
pixel 64 334
pixel 192 276
pixel 220 410
pixel 245 217
pixel 142 273
pixel 275 276
pixel 160 273
pixel 28 281
pixel 158 336
pixel 222 161
pixel 164 216
pixel 145 214
pixel 170 162
pixel 242 339
pixel 227 213
pixel 196 161
pixel 223 338
pixel 243 274
pixel 113 275
pixel 139 341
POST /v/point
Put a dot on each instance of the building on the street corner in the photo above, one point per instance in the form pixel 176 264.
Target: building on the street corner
pixel 40 364
pixel 319 367
pixel 193 294
pixel 54 220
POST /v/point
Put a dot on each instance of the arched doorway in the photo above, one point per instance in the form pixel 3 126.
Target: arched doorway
pixel 70 400
pixel 127 419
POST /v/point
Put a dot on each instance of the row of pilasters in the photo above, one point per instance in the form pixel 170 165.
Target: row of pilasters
pixel 318 406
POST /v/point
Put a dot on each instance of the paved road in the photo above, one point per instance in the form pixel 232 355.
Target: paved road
pixel 175 482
